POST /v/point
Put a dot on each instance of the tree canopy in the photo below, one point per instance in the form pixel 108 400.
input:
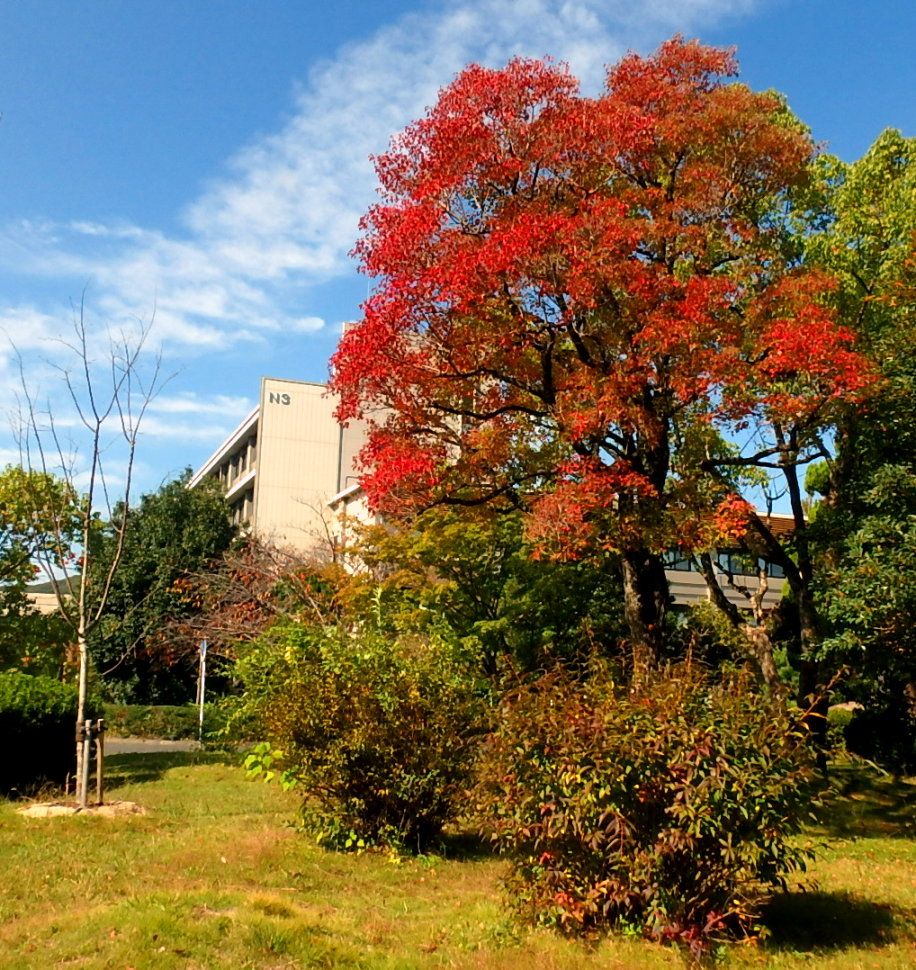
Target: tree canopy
pixel 865 526
pixel 38 519
pixel 582 304
pixel 472 572
pixel 173 532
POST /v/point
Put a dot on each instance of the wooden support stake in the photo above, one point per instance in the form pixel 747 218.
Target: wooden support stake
pixel 201 688
pixel 100 761
pixel 84 780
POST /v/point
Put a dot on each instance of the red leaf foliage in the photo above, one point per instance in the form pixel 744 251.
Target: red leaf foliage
pixel 565 285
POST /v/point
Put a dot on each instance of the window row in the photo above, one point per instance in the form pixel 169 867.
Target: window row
pixel 733 562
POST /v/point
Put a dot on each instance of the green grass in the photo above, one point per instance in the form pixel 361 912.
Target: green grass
pixel 214 877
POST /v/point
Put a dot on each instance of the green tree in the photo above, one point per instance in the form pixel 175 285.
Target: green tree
pixel 865 526
pixel 474 571
pixel 173 532
pixel 38 519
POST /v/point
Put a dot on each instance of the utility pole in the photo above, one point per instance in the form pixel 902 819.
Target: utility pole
pixel 201 688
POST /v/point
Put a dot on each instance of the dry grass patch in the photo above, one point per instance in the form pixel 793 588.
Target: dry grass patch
pixel 56 809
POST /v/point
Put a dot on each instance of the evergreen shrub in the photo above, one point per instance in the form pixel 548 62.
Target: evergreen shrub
pixel 166 721
pixel 378 734
pixel 669 807
pixel 38 727
pixel 838 720
pixel 886 732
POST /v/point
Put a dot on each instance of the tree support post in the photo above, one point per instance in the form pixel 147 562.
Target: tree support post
pixel 100 760
pixel 84 774
pixel 201 689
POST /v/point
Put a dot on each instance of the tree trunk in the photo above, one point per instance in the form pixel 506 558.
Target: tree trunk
pixel 645 605
pixel 760 646
pixel 812 693
pixel 81 794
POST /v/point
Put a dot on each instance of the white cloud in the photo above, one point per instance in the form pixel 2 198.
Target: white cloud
pixel 188 417
pixel 9 456
pixel 307 324
pixel 105 231
pixel 282 216
pixel 25 327
pixel 155 427
pixel 232 407
pixel 284 212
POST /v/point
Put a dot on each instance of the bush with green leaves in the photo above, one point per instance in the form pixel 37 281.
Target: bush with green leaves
pixel 472 571
pixel 839 718
pixel 378 734
pixel 669 806
pixel 163 721
pixel 38 725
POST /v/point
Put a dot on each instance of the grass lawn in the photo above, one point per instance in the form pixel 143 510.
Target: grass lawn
pixel 214 877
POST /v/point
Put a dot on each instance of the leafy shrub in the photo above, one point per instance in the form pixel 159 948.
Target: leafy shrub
pixel 668 807
pixel 37 724
pixel 379 734
pixel 170 722
pixel 839 718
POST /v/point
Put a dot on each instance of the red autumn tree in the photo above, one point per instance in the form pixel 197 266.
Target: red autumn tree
pixel 576 296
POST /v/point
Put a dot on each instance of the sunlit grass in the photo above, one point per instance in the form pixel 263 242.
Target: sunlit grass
pixel 214 876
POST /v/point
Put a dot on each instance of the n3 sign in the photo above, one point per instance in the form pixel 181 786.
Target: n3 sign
pixel 277 398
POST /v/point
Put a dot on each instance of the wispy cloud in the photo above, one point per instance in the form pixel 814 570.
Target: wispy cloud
pixel 9 456
pixel 25 327
pixel 191 417
pixel 225 405
pixel 212 431
pixel 283 214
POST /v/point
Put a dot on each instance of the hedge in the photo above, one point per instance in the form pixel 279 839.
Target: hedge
pixel 164 721
pixel 38 724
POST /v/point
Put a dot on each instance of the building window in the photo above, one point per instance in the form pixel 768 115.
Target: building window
pixel 737 563
pixel 678 562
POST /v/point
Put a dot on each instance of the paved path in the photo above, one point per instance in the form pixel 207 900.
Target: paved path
pixel 147 746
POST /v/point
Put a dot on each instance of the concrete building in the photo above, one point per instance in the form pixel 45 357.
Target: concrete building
pixel 285 462
pixel 42 595
pixel 289 476
pixel 687 584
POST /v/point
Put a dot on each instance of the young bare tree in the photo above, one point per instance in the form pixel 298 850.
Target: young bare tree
pixel 109 381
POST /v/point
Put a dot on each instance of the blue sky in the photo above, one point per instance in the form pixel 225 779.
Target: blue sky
pixel 209 160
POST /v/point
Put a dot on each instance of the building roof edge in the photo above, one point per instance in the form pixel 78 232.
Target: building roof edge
pixel 226 447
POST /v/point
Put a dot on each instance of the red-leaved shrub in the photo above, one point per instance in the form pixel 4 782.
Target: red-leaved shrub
pixel 668 806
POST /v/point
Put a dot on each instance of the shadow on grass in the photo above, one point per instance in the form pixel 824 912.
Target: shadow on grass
pixel 865 804
pixel 464 846
pixel 827 921
pixel 131 769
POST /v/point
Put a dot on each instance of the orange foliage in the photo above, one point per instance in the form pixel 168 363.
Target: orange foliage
pixel 566 284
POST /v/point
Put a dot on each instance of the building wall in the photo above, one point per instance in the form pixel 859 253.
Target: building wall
pixel 352 439
pixel 298 465
pixel 44 602
pixel 690 587
pixel 350 510
pixel 280 467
